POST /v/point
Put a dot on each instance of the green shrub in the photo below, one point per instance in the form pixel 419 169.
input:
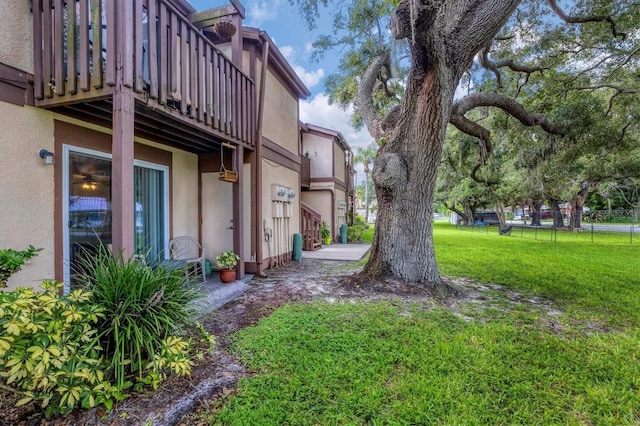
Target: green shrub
pixel 11 261
pixel 145 312
pixel 354 233
pixel 326 232
pixel 49 351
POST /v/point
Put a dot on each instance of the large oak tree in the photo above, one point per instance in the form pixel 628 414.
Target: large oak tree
pixel 410 119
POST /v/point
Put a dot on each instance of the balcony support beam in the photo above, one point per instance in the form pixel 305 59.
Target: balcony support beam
pixel 238 208
pixel 122 145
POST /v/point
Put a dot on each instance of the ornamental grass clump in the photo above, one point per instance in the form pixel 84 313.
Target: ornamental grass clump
pixel 146 311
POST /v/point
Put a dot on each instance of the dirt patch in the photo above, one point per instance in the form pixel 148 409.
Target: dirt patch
pixel 306 281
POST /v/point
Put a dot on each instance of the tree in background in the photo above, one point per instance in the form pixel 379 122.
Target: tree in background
pixel 515 41
pixel 366 156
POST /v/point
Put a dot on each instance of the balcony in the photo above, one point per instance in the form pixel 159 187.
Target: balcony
pixel 184 88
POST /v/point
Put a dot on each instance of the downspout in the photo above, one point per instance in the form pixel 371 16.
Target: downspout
pixel 258 182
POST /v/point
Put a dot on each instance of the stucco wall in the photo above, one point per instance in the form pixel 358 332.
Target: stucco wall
pixel 320 201
pixel 16 34
pixel 276 174
pixel 185 193
pixel 280 122
pixel 338 158
pixel 26 188
pixel 217 212
pixel 320 151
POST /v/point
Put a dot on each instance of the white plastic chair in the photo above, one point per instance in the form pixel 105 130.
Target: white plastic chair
pixel 189 250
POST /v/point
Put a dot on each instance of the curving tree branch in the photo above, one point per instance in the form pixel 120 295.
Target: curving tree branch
pixel 472 128
pixel 495 66
pixel 364 98
pixel 584 19
pixel 508 105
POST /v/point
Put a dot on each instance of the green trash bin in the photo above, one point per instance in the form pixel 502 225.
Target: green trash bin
pixel 343 233
pixel 297 247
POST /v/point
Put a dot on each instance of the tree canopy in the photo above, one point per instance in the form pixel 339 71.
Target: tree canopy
pixel 546 90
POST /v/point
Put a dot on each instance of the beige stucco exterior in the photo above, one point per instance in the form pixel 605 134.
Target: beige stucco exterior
pixel 16 34
pixel 321 154
pixel 328 175
pixel 185 193
pixel 280 122
pixel 217 215
pixel 282 232
pixel 339 163
pixel 320 201
pixel 27 190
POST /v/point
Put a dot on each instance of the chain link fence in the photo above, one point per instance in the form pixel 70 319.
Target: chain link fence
pixel 613 225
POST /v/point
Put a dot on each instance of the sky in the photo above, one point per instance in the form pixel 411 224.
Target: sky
pixel 286 28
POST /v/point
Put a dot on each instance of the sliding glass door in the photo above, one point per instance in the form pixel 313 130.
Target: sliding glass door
pixel 87 210
pixel 151 204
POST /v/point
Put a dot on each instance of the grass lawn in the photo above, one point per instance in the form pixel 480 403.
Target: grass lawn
pixel 404 363
pixel 367 234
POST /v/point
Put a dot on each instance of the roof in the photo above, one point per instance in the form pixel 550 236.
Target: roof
pixel 308 127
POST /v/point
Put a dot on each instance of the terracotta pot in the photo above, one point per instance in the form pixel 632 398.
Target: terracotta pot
pixel 227 275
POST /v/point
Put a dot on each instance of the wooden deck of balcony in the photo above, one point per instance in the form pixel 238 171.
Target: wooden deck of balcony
pixel 183 86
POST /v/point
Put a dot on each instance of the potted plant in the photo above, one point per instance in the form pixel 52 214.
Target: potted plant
pixel 326 233
pixel 227 261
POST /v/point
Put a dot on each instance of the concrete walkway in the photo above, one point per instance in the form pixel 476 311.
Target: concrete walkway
pixel 216 294
pixel 347 252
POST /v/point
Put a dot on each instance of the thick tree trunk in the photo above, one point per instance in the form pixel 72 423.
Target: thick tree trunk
pixel 444 36
pixel 405 177
pixel 469 207
pixel 577 207
pixel 500 213
pixel 558 221
pixel 535 213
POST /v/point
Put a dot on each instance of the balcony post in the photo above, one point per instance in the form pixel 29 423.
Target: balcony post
pixel 122 139
pixel 238 208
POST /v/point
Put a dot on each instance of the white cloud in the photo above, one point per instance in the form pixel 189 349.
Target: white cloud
pixel 308 48
pixel 261 11
pixel 309 78
pixel 287 52
pixel 318 111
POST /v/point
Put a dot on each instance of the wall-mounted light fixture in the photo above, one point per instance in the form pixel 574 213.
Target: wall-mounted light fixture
pixel 47 156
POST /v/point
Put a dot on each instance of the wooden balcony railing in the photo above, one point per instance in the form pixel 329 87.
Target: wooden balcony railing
pixel 80 45
pixel 311 228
